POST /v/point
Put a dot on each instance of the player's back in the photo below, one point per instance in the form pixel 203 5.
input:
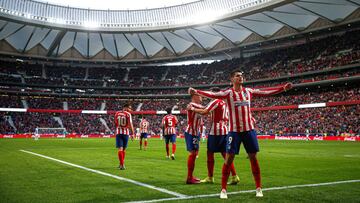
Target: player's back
pixel 219 117
pixel 193 120
pixel 144 126
pixel 169 123
pixel 122 122
pixel 219 114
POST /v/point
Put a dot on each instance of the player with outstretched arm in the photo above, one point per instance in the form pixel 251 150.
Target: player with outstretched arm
pixel 241 124
pixel 216 139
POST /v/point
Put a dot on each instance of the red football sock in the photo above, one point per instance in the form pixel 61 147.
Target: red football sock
pixel 167 149
pixel 124 155
pixel 191 164
pixel 210 163
pixel 121 157
pixel 145 144
pixel 173 148
pixel 225 175
pixel 255 168
pixel 232 167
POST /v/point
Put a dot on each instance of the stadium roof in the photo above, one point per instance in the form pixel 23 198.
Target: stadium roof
pixel 28 29
pixel 118 5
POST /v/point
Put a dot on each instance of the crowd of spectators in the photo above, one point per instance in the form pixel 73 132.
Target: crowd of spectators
pixel 58 71
pixel 329 94
pixel 316 54
pixel 330 121
pixel 294 97
pixel 313 54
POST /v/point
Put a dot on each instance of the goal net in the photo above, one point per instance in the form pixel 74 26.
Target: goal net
pixel 58 132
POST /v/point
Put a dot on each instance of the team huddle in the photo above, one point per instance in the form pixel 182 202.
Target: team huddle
pixel 231 125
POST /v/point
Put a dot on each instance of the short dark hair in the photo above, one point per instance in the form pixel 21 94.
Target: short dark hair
pixel 237 70
pixel 168 110
pixel 127 105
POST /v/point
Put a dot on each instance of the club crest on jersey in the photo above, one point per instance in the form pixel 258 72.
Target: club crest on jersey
pixel 242 103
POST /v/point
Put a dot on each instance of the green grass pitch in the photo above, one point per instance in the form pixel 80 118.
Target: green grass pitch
pixel 28 178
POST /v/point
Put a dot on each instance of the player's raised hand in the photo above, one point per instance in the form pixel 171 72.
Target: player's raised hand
pixel 191 91
pixel 288 86
pixel 188 107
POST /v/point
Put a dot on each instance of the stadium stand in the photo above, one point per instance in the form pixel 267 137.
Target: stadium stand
pixel 325 58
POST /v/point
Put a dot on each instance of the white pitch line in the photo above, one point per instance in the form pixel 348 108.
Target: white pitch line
pixel 247 191
pixel 178 195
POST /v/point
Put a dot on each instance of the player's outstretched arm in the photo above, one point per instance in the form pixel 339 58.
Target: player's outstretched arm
pixel 201 111
pixel 288 86
pixel 271 90
pixel 209 94
pixel 191 91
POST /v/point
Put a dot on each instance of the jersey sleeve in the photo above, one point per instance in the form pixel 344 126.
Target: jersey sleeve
pixel 116 120
pixel 266 91
pixel 213 95
pixel 212 105
pixel 163 121
pixel 176 120
pixel 130 119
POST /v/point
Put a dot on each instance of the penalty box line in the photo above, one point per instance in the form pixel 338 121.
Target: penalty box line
pixel 178 195
pixel 246 191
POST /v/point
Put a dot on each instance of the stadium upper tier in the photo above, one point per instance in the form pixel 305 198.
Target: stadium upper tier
pixel 201 28
pixel 330 57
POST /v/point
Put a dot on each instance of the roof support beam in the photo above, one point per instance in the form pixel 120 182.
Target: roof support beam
pixel 172 48
pixel 102 41
pixel 302 7
pixel 249 29
pixel 7 22
pixel 142 45
pixel 222 35
pixel 88 45
pixel 196 40
pixel 21 27
pixel 56 42
pixel 27 43
pixel 116 47
pixel 327 3
pixel 354 2
pixel 280 21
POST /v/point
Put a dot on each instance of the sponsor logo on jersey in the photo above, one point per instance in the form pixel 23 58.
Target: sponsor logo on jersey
pixel 242 103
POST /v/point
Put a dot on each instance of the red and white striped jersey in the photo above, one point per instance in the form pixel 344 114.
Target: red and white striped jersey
pixel 169 123
pixel 123 122
pixel 238 103
pixel 219 117
pixel 144 126
pixel 194 120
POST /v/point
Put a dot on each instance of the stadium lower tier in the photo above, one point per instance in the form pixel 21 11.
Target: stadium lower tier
pixel 342 137
pixel 330 121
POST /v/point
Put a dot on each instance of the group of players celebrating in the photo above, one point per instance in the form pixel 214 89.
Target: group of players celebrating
pixel 231 125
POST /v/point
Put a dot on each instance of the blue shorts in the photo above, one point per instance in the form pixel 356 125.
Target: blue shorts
pixel 192 142
pixel 171 138
pixel 143 135
pixel 216 143
pixel 122 140
pixel 248 138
